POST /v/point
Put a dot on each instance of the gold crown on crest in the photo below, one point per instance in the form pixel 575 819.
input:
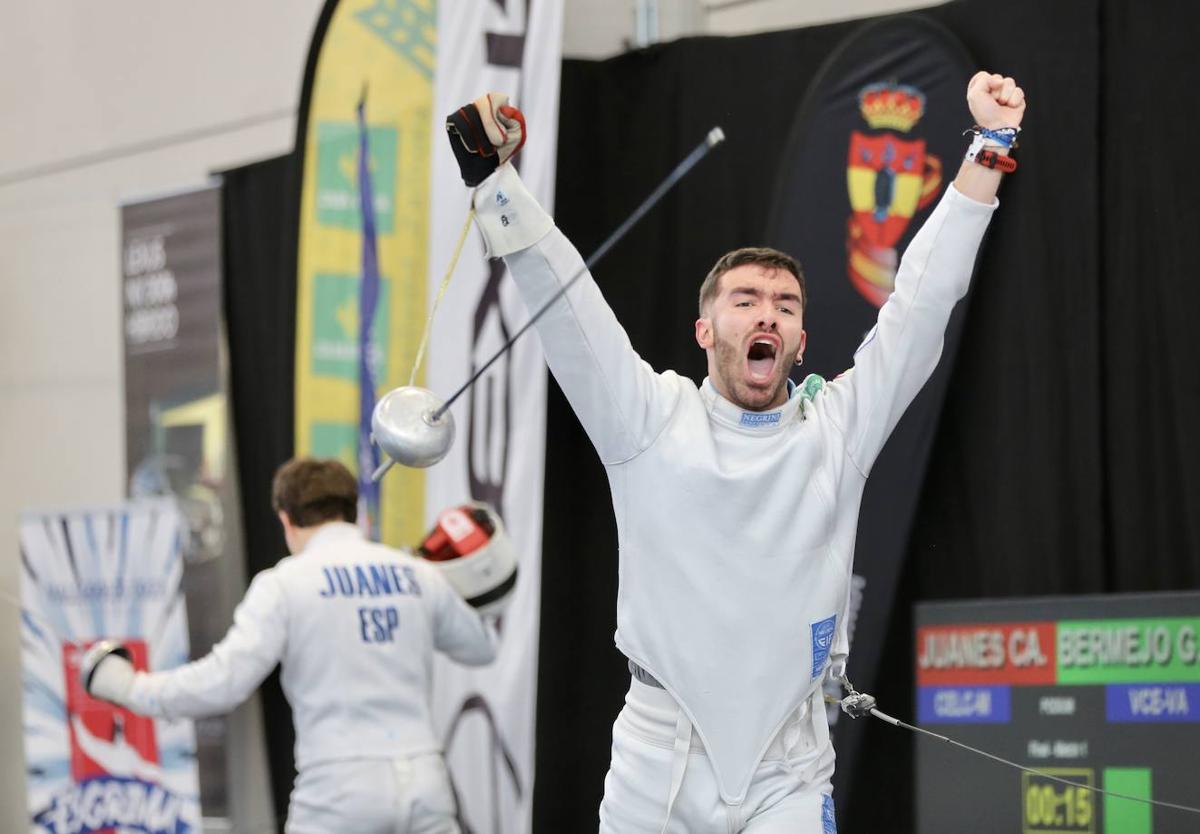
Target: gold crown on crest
pixel 891 105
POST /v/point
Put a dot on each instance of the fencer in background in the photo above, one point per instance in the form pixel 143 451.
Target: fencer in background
pixel 736 501
pixel 354 625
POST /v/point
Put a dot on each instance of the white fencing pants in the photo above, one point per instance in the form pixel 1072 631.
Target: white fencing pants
pixel 409 795
pixel 790 792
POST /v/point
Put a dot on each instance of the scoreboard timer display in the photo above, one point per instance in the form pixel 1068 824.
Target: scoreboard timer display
pixel 1101 691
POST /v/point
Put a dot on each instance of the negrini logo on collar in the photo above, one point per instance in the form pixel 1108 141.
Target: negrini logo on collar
pixel 760 419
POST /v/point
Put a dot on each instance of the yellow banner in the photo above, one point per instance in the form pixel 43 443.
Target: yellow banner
pixel 387 48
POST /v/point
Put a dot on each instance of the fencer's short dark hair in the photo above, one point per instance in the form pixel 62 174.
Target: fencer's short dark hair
pixel 315 490
pixel 764 255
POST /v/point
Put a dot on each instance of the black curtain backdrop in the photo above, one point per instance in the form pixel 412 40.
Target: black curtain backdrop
pixel 259 241
pixel 1064 462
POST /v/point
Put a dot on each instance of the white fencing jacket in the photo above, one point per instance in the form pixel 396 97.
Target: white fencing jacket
pixel 354 624
pixel 736 529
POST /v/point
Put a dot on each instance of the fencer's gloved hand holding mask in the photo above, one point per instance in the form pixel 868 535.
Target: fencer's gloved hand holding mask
pixel 484 135
pixel 469 547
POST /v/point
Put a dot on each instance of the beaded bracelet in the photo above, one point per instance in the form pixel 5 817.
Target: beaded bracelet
pixel 1004 136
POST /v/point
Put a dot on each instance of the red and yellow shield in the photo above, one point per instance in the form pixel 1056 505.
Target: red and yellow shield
pixel 889 178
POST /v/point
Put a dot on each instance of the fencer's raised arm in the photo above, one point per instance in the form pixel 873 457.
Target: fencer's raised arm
pixel 898 355
pixel 620 401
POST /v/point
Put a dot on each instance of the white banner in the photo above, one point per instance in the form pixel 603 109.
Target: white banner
pixel 87 574
pixel 487 715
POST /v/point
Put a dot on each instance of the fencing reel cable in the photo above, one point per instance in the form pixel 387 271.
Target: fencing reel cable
pixel 462 238
pixel 896 722
pixel 921 731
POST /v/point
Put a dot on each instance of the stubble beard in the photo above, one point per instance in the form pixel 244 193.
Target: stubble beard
pixel 731 371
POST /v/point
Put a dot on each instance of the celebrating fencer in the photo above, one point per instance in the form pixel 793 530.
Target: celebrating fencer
pixel 737 500
pixel 354 625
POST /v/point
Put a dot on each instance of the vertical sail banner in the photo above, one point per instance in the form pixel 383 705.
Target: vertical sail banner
pixel 382 53
pixel 415 61
pixel 111 572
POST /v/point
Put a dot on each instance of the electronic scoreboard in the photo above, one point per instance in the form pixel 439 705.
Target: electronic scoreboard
pixel 1101 691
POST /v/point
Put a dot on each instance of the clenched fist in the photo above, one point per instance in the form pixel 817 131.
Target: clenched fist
pixel 995 100
pixel 484 135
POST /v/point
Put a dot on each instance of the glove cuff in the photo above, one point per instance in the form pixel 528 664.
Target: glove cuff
pixel 508 216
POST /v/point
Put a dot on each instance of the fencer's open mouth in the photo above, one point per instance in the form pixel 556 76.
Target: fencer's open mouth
pixel 760 357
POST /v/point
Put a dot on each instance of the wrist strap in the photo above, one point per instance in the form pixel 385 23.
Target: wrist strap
pixel 999 162
pixel 982 150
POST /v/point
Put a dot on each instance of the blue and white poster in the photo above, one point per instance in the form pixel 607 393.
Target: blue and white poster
pixel 111 572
